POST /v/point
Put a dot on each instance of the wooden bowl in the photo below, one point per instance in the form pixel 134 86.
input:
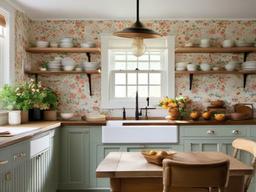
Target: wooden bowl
pixel 157 157
pixel 217 103
pixel 237 116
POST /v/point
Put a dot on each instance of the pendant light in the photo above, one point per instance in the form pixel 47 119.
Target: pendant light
pixel 138 32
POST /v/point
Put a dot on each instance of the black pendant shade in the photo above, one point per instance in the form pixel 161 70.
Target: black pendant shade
pixel 137 30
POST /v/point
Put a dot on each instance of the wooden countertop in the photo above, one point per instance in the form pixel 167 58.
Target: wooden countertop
pixel 162 122
pixel 133 164
pixel 41 128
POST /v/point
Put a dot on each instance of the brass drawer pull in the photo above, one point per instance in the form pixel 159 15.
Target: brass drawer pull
pixel 235 132
pixel 210 132
pixel 3 162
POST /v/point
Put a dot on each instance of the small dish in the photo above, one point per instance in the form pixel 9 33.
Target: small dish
pixel 66 116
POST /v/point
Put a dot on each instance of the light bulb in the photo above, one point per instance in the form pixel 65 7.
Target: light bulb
pixel 138 46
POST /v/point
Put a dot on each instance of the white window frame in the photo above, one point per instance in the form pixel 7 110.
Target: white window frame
pixel 107 89
pixel 7 72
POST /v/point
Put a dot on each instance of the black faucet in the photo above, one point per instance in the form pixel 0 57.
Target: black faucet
pixel 137 113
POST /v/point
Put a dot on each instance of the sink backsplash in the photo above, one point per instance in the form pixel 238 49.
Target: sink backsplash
pixel 73 89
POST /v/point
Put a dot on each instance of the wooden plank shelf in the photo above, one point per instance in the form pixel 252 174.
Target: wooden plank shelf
pixel 215 50
pixel 88 73
pixel 61 72
pixel 63 50
pixel 192 73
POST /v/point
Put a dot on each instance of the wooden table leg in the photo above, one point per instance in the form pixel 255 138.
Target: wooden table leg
pixel 115 185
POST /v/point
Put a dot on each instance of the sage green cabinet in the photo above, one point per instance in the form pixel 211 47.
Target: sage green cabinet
pixel 75 158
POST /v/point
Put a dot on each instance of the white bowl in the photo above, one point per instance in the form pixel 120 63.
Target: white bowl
pixel 192 67
pixel 181 68
pixel 54 45
pixel 205 67
pixel 231 66
pixel 66 45
pixel 88 44
pixel 182 64
pixel 67 40
pixel 227 43
pixel 42 44
pixel 68 61
pixel 66 116
pixel 68 68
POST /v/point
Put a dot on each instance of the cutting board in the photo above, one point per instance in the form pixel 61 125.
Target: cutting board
pixel 13 131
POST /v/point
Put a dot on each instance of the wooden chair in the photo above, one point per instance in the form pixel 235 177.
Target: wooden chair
pixel 186 177
pixel 250 147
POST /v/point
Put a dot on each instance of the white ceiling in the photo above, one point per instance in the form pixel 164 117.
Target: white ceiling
pixel 150 9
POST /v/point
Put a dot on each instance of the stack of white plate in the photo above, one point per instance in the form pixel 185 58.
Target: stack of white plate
pixel 249 66
pixel 42 44
pixel 90 66
pixel 66 42
pixel 88 44
pixel 242 43
pixel 3 118
pixel 55 65
pixel 68 64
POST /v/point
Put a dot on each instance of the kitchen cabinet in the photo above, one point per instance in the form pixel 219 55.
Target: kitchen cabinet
pixel 21 173
pixel 75 158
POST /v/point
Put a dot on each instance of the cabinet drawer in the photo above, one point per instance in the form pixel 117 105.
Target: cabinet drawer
pixel 214 131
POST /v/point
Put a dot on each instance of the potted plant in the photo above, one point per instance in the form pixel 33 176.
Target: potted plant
pixel 176 107
pixel 8 101
pixel 51 101
pixel 37 97
pixel 24 101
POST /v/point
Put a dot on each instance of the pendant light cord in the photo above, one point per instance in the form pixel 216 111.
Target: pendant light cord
pixel 138 11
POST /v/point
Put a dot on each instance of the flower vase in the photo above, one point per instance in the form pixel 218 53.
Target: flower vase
pixel 173 114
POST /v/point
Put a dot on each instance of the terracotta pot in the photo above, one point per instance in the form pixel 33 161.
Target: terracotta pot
pixel 24 116
pixel 50 115
pixel 174 113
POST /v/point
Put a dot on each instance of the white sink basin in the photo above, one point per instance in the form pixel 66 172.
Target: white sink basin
pixel 116 132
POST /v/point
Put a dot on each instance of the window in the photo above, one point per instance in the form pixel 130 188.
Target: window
pixel 131 74
pixel 2 54
pixel 123 73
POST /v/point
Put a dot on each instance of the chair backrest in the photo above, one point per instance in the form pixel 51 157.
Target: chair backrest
pixel 247 146
pixel 185 175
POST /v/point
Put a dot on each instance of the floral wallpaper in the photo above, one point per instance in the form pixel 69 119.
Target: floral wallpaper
pixel 73 89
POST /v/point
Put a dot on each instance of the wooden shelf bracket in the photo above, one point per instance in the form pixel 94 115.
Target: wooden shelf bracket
pixel 191 76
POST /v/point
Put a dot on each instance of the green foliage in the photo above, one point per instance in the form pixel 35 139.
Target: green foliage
pixel 8 98
pixel 27 96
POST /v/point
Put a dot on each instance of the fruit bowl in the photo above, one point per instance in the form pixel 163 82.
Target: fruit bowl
pixel 157 157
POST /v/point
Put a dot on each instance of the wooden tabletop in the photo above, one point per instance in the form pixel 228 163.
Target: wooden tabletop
pixel 133 164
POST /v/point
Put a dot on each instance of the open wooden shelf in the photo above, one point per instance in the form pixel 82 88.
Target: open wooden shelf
pixel 192 73
pixel 88 73
pixel 215 72
pixel 63 50
pixel 215 50
pixel 61 72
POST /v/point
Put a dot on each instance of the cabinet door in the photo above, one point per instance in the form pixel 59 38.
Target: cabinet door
pixel 5 172
pixel 39 172
pixel 75 158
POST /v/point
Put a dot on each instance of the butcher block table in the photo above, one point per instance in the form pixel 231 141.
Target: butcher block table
pixel 130 172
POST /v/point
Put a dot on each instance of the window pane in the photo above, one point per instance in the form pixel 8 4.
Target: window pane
pixel 154 91
pixel 155 78
pixel 143 78
pixel 131 65
pixel 120 91
pixel 143 91
pixel 132 78
pixel 144 57
pixel 120 65
pixel 155 57
pixel 120 78
pixel 155 65
pixel 143 65
pixel 131 91
pixel 131 58
pixel 120 57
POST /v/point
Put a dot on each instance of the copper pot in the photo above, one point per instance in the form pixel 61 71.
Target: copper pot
pixel 50 115
pixel 24 116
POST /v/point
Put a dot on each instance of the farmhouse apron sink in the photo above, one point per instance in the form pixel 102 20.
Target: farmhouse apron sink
pixel 116 132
